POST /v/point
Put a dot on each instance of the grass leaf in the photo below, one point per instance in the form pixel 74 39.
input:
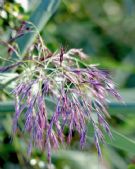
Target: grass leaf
pixel 39 18
pixel 121 142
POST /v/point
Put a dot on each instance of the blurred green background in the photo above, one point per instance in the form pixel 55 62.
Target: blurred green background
pixel 105 29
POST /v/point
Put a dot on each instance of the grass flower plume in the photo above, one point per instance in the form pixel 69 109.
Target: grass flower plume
pixel 79 93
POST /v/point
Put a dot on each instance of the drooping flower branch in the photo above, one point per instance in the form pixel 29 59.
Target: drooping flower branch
pixel 77 91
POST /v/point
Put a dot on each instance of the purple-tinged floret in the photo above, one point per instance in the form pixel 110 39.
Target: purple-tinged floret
pixel 79 96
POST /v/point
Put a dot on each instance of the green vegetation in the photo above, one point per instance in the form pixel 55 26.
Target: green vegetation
pixel 105 29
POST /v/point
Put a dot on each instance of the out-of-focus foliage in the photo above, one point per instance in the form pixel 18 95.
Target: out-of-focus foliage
pixel 105 29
